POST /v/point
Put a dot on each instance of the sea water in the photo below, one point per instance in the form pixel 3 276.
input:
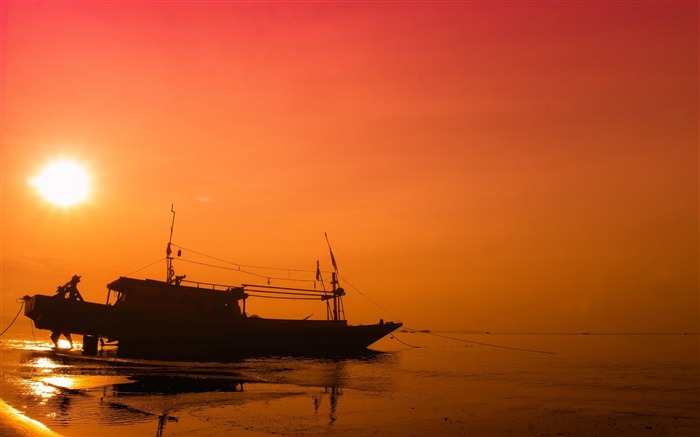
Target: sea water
pixel 422 384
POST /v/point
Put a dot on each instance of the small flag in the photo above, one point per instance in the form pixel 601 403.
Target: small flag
pixel 335 266
pixel 318 271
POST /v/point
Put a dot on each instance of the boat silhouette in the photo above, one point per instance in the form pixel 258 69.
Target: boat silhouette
pixel 178 319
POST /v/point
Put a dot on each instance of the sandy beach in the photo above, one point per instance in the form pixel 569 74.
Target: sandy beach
pixel 15 424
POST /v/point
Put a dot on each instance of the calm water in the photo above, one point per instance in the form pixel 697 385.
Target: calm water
pixel 587 385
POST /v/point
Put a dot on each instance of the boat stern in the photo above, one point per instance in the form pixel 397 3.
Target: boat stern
pixel 62 315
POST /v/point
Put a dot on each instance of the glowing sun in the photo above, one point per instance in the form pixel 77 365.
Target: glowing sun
pixel 62 183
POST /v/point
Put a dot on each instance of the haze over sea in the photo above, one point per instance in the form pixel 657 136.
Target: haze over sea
pixel 422 384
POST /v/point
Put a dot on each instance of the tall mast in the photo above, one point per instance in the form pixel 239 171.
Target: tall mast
pixel 338 293
pixel 168 252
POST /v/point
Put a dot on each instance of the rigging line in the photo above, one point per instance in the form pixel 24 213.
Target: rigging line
pixel 283 298
pixel 247 266
pixel 366 297
pixel 208 256
pixel 142 268
pixel 484 344
pixel 243 271
pixel 272 287
pixel 13 320
pixel 290 293
pixel 221 267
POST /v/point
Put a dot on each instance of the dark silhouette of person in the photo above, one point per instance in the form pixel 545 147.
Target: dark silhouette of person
pixel 55 335
pixel 69 291
pixel 178 279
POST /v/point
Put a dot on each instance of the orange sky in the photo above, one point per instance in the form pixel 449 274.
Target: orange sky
pixel 497 166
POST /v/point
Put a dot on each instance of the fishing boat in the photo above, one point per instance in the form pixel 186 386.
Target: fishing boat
pixel 180 319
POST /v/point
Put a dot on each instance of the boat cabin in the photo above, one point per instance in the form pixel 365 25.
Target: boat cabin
pixel 151 296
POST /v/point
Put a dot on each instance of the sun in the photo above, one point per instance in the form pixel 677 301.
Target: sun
pixel 62 183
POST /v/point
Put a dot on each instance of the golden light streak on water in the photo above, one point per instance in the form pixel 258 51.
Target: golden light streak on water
pixel 45 364
pixel 44 391
pixel 60 381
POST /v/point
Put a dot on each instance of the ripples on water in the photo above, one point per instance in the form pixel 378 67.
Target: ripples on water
pixel 445 386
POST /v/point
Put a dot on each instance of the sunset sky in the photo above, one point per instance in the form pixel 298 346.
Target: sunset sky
pixel 498 166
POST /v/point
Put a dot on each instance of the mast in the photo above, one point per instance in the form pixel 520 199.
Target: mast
pixel 338 292
pixel 168 251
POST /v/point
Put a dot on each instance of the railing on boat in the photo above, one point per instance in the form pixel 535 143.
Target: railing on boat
pixel 265 291
pixel 207 285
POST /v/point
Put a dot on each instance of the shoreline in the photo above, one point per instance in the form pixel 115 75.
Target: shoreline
pixel 15 424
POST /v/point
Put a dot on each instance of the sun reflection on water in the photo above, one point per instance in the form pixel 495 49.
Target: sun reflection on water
pixel 44 391
pixel 45 365
pixel 64 344
pixel 26 344
pixel 60 381
pixel 48 386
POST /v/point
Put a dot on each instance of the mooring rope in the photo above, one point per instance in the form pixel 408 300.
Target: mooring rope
pixel 403 342
pixel 481 343
pixel 31 323
pixel 370 300
pixel 16 315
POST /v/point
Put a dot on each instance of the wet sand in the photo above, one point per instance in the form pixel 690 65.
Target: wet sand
pixel 364 414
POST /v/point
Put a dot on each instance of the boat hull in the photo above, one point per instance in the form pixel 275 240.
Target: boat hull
pixel 204 338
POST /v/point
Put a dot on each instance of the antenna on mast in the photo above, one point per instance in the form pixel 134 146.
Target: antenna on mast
pixel 168 251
